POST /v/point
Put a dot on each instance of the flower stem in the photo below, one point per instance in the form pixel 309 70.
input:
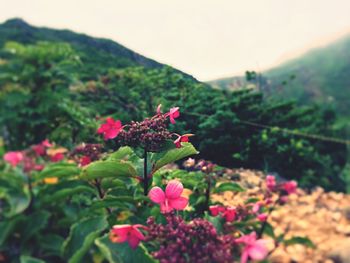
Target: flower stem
pixel 145 175
pixel 263 226
pixel 101 194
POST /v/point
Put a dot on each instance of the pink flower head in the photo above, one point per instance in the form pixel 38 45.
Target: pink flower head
pixel 46 143
pixel 170 199
pixel 254 249
pixel 173 114
pixel 262 217
pixel 129 233
pixel 159 109
pixel 39 149
pixel 13 158
pixel 110 129
pixel 57 157
pixel 270 182
pixel 216 209
pixel 182 138
pixel 229 214
pixel 256 207
pixel 85 160
pixel 290 187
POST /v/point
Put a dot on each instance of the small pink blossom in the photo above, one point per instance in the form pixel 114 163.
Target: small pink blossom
pixel 159 109
pixel 170 199
pixel 254 249
pixel 57 157
pixel 127 233
pixel 46 143
pixel 182 138
pixel 40 149
pixel 262 217
pixel 290 187
pixel 13 158
pixel 110 129
pixel 256 207
pixel 229 214
pixel 173 114
pixel 85 160
pixel 215 210
pixel 270 182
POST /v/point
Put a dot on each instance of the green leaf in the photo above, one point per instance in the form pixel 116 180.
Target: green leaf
pixel 56 192
pixel 121 153
pixel 122 253
pixel 103 169
pixel 173 155
pixel 299 240
pixel 60 170
pixel 114 201
pixel 7 227
pixel 268 230
pixel 51 244
pixel 28 259
pixel 82 235
pixel 33 223
pixel 229 186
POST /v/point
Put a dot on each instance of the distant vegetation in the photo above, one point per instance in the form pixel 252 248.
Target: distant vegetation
pixel 59 84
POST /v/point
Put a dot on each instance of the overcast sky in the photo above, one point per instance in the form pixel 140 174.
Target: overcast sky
pixel 206 38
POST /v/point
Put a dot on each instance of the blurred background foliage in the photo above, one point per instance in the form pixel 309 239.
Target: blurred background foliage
pixel 58 85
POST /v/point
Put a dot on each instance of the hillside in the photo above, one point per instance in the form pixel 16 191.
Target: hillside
pixel 92 51
pixel 321 75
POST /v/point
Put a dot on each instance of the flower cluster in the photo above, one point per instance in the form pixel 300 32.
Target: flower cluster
pixel 196 241
pixel 283 189
pixel 150 134
pixel 86 153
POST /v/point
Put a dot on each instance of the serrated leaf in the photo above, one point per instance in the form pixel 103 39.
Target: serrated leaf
pixel 173 155
pixel 229 186
pixel 28 259
pixel 103 169
pixel 122 253
pixel 299 240
pixel 82 235
pixel 60 170
pixel 121 153
pixel 54 193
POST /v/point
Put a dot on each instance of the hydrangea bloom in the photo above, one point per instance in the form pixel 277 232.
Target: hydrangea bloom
pixel 110 129
pixel 170 199
pixel 253 249
pixel 127 233
pixel 13 158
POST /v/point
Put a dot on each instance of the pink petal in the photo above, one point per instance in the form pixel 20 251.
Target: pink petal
pixel 178 203
pixel 174 189
pixel 258 250
pixel 184 139
pixel 111 134
pixel 156 194
pixel 165 207
pixel 159 109
pixel 137 233
pixel 119 233
pixel 172 120
pixel 244 256
pixel 133 242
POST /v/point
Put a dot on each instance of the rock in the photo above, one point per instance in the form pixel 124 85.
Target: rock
pixel 341 254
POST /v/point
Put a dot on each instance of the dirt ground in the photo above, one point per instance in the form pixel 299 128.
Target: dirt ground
pixel 323 217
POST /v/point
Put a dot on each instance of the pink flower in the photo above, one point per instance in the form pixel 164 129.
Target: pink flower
pixel 256 207
pixel 170 199
pixel 159 109
pixel 110 129
pixel 216 209
pixel 173 114
pixel 270 182
pixel 262 217
pixel 229 214
pixel 46 143
pixel 290 187
pixel 182 138
pixel 57 157
pixel 254 249
pixel 85 160
pixel 129 233
pixel 13 158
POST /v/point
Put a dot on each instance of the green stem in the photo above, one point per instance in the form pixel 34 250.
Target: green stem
pixel 207 193
pixel 101 194
pixel 145 175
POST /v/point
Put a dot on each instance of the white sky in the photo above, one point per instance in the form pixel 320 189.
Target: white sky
pixel 206 38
